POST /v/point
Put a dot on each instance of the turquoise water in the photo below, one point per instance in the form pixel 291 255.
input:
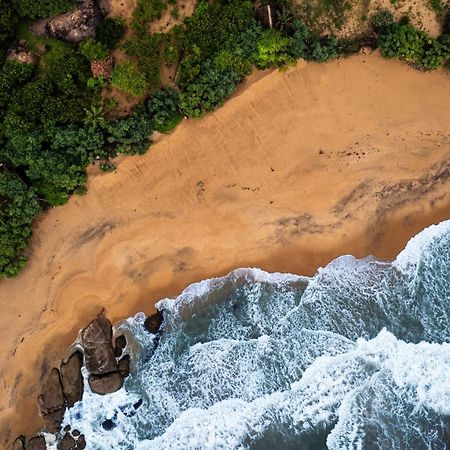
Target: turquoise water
pixel 356 357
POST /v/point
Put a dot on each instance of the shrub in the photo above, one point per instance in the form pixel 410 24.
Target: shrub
pixel 93 49
pixel 272 50
pixel 322 49
pixel 145 47
pixel 208 90
pixel 34 9
pixel 402 41
pixel 131 135
pixel 110 31
pixel 381 19
pixel 164 109
pixel 148 10
pixel 129 79
pixel 18 208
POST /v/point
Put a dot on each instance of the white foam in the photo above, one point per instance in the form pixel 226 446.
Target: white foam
pixel 417 245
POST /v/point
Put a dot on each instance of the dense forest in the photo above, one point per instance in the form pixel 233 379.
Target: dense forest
pixel 56 120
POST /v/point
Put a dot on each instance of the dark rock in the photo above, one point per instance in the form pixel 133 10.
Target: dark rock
pixel 76 25
pixel 81 442
pixel 51 401
pixel 121 343
pixel 105 384
pixel 53 420
pixel 153 323
pixel 108 425
pixel 66 428
pixel 67 443
pixel 75 433
pixel 72 379
pixel 37 443
pixel 124 366
pixel 138 404
pixel 96 340
pixel 19 443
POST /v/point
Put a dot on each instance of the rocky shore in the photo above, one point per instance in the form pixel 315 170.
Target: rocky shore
pixel 107 363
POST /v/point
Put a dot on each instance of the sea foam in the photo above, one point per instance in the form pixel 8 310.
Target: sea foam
pixel 356 357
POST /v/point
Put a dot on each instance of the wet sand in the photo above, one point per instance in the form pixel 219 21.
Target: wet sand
pixel 347 157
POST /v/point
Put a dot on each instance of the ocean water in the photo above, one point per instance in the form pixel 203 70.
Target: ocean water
pixel 356 357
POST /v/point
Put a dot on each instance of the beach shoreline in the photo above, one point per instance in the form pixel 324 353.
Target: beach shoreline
pixel 299 167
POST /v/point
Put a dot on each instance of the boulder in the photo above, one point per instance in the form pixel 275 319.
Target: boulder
pixel 72 379
pixel 153 323
pixel 72 442
pixel 67 443
pixel 76 25
pixel 105 384
pixel 266 16
pixel 51 401
pixel 21 55
pixel 121 343
pixel 124 366
pixel 37 443
pixel 96 341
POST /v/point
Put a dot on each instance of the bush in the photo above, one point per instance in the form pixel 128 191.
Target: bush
pixel 381 19
pixel 93 50
pixel 131 135
pixel 322 49
pixel 149 10
pixel 208 90
pixel 18 208
pixel 145 47
pixel 110 31
pixel 402 41
pixel 34 9
pixel 8 19
pixel 272 50
pixel 127 78
pixel 164 109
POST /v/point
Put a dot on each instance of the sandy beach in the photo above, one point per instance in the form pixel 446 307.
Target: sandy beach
pixel 299 167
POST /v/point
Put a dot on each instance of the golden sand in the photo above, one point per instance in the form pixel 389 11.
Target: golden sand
pixel 351 156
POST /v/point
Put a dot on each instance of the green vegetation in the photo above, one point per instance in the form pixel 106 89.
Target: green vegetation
pixel 93 49
pixel 34 9
pixel 127 78
pixel 110 31
pixel 55 120
pixel 164 108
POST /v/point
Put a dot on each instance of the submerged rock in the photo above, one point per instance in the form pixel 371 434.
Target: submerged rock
pixel 121 343
pixel 153 322
pixel 105 384
pixel 52 402
pixel 124 366
pixel 96 340
pixel 72 379
pixel 37 443
pixel 72 442
pixel 76 25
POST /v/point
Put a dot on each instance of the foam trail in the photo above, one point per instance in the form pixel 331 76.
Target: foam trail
pixel 356 357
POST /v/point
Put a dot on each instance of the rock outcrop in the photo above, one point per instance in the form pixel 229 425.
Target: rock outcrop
pixel 153 322
pixel 120 344
pixel 72 442
pixel 99 356
pixel 76 25
pixel 52 402
pixel 72 379
pixel 37 443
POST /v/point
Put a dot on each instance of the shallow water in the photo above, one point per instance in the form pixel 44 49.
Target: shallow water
pixel 356 357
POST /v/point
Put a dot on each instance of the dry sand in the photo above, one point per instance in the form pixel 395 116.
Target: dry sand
pixel 299 167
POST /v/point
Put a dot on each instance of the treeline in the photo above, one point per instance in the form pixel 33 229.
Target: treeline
pixel 54 120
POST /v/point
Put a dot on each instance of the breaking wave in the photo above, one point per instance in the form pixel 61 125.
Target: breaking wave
pixel 356 357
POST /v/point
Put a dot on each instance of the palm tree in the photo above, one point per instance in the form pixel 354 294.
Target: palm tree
pixel 95 117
